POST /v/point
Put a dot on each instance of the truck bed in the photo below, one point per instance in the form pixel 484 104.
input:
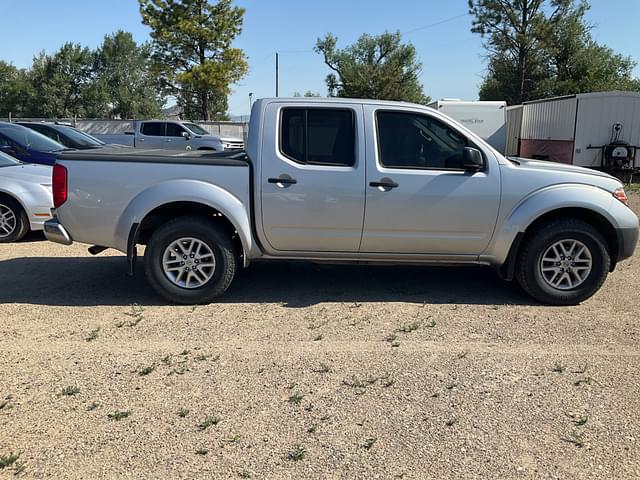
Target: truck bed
pixel 109 191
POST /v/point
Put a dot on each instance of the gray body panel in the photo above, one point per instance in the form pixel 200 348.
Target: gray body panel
pixel 332 213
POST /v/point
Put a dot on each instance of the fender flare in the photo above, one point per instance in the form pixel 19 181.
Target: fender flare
pixel 557 197
pixel 193 191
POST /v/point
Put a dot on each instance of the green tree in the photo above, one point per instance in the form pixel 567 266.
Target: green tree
pixel 512 31
pixel 16 95
pixel 308 94
pixel 192 51
pixel 578 63
pixel 123 70
pixel 541 48
pixel 379 67
pixel 62 81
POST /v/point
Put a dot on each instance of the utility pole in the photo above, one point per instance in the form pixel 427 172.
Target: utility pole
pixel 277 73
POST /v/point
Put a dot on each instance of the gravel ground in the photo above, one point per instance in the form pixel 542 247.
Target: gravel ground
pixel 312 371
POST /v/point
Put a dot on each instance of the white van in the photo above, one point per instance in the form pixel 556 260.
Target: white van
pixel 485 119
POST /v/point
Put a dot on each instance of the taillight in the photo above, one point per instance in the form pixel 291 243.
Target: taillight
pixel 59 185
pixel 620 194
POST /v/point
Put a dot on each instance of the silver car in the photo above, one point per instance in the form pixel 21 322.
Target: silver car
pixel 25 197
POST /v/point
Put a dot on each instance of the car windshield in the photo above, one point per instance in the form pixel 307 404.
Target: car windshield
pixel 28 138
pixel 7 160
pixel 197 129
pixel 80 138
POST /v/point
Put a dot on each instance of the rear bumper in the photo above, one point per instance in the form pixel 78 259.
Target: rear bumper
pixel 627 241
pixel 55 232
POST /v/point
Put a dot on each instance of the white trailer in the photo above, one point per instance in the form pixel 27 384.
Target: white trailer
pixel 598 130
pixel 485 119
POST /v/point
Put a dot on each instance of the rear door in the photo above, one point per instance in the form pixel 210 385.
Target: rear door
pixel 312 177
pixel 151 135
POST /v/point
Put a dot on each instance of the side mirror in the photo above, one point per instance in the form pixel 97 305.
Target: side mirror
pixel 472 160
pixel 186 135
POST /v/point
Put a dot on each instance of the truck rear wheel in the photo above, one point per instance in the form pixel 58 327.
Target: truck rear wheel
pixel 190 260
pixel 563 263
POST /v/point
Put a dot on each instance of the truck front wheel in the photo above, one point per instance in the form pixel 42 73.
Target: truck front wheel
pixel 564 262
pixel 190 260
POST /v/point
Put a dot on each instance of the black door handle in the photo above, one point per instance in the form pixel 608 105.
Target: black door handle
pixel 384 183
pixel 284 180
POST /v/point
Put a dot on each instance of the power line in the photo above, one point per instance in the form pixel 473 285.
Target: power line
pixel 446 20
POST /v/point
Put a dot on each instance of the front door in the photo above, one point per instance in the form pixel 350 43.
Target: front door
pixel 175 138
pixel 312 178
pixel 419 198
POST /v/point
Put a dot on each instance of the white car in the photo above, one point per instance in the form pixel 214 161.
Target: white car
pixel 25 197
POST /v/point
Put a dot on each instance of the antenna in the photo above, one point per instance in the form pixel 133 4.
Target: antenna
pixel 277 74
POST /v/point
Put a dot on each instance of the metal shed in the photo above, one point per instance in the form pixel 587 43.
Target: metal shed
pixel 573 129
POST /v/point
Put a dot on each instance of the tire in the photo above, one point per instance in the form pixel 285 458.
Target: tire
pixel 163 265
pixel 14 223
pixel 562 233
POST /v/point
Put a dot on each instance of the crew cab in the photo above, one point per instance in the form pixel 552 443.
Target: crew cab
pixel 171 135
pixel 349 181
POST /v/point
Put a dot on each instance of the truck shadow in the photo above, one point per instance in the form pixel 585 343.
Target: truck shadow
pixel 78 281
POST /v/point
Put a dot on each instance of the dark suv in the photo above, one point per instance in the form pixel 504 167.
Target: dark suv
pixel 66 135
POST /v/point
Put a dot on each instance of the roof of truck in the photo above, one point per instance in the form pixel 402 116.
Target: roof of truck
pixel 334 100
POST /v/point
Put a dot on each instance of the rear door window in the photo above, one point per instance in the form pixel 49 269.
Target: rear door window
pixel 318 136
pixel 153 129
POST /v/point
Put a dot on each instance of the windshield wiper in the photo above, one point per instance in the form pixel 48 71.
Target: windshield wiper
pixel 513 160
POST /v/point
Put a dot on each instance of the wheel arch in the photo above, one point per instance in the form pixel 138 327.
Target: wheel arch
pixel 158 204
pixel 15 198
pixel 591 217
pixel 24 214
pixel 589 204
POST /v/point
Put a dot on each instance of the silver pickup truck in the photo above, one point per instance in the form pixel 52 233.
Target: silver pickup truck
pixel 171 135
pixel 340 180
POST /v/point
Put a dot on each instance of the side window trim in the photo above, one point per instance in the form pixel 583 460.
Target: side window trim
pixel 468 141
pixel 306 161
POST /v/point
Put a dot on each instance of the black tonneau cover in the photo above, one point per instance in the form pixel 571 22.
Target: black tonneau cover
pixel 233 158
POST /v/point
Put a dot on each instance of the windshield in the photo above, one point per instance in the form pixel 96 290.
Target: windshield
pixel 197 129
pixel 7 160
pixel 80 138
pixel 28 138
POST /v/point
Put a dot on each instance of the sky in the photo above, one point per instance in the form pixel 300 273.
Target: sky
pixel 451 56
